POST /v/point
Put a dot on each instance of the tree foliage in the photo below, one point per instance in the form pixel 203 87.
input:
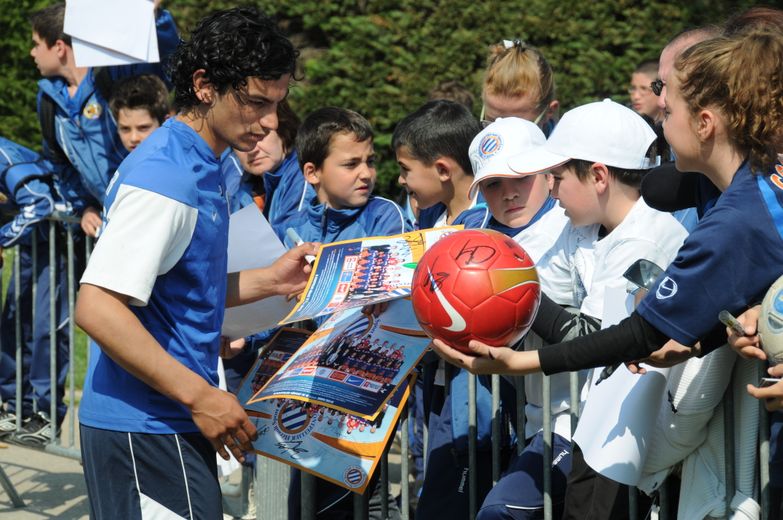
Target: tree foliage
pixel 381 58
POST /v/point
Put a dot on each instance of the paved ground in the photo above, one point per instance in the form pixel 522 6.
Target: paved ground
pixel 52 486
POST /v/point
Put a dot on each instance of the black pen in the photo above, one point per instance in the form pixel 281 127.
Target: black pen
pixel 607 372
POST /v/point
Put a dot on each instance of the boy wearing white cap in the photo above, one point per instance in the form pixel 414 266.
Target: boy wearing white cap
pixel 522 208
pixel 597 154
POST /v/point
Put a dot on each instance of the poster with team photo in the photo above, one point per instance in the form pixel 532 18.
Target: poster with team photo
pixel 352 363
pixel 329 444
pixel 355 273
pixel 273 356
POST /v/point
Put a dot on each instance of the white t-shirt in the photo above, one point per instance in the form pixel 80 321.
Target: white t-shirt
pixel 141 243
pixel 644 233
pixel 564 262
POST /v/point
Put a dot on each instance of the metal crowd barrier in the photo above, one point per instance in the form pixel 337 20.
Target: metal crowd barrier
pixel 271 478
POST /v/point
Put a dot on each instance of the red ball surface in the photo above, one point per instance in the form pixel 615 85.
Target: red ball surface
pixel 476 284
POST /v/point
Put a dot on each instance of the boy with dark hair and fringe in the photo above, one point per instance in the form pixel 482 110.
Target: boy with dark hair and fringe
pixel 79 132
pixel 337 158
pixel 153 295
pixel 139 104
pixel 431 145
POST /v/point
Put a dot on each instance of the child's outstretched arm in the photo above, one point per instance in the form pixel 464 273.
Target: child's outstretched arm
pixel 489 360
pixel 632 339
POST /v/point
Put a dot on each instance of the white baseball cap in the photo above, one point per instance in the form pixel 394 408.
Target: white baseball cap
pixel 492 148
pixel 603 132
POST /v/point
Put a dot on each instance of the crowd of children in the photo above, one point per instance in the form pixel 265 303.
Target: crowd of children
pixel 582 193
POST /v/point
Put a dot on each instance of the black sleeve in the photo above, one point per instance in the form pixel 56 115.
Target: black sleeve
pixel 631 339
pixel 555 324
pixel 713 340
pixel 666 189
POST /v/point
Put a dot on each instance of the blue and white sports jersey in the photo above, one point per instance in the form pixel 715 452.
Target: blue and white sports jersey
pixel 728 262
pixel 164 244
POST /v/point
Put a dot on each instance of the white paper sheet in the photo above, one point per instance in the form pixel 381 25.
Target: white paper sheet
pixel 621 411
pixel 112 32
pixel 253 244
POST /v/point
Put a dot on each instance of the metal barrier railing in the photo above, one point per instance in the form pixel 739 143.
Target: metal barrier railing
pixel 271 478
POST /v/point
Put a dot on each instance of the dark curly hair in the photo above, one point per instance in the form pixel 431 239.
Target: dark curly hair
pixel 145 92
pixel 231 46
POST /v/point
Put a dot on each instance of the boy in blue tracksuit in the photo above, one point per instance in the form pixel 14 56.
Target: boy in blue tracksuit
pixel 431 145
pixel 73 102
pixel 26 183
pixel 337 159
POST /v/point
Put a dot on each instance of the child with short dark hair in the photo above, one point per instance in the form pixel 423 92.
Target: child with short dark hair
pixel 643 100
pixel 432 150
pixel 139 105
pixel 337 159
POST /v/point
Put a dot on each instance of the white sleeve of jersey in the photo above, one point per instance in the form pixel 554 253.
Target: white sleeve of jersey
pixel 145 236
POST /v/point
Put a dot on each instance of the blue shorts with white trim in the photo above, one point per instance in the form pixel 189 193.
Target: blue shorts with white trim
pixel 519 494
pixel 142 475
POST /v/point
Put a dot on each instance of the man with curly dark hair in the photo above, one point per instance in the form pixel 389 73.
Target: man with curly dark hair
pixel 153 295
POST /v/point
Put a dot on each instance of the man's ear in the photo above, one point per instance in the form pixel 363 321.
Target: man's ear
pixel 202 87
pixel 444 168
pixel 599 175
pixel 310 173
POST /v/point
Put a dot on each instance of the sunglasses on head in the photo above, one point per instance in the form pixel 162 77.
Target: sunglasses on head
pixel 657 86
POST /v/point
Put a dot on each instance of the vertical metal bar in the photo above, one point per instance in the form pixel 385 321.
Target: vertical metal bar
pixel 663 501
pixel 573 408
pixel 272 482
pixel 53 354
pixel 633 503
pixel 384 484
pixel 307 495
pixel 496 435
pixel 764 489
pixel 405 498
pixel 34 297
pixel 71 284
pixel 728 427
pixel 361 509
pixel 87 248
pixel 426 374
pixel 519 386
pixel 546 398
pixel 87 254
pixel 244 491
pixel 18 336
pixel 472 459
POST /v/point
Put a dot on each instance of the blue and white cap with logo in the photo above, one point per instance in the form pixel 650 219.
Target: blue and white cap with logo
pixel 492 148
pixel 604 132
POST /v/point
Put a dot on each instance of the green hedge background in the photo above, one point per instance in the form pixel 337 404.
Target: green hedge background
pixel 381 57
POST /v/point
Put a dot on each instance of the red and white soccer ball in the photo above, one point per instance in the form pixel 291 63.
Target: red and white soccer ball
pixel 476 284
